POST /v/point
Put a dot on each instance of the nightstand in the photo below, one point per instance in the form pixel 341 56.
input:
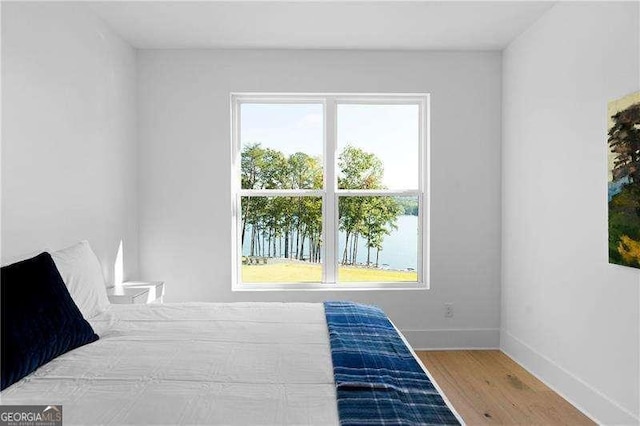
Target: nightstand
pixel 128 296
pixel 155 289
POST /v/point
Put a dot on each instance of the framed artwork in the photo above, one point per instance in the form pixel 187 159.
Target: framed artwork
pixel 624 180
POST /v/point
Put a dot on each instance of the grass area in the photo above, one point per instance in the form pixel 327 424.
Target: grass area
pixel 312 273
pixel 355 274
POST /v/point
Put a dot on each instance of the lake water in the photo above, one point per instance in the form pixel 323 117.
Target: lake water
pixel 399 251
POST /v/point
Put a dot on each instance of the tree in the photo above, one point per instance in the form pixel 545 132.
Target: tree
pixel 359 169
pixel 274 170
pixel 369 217
pixel 251 164
pixel 292 226
pixel 380 220
pixel 624 141
pixel 304 172
pixel 350 218
pixel 252 160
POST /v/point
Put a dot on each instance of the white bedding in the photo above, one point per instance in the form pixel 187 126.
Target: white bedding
pixel 194 363
pixel 237 363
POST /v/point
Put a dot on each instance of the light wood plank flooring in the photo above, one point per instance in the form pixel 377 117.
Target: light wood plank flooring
pixel 488 387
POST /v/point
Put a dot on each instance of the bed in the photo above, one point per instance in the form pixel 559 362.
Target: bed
pixel 193 363
pixel 212 363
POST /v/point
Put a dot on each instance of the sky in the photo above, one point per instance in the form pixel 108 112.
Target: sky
pixel 389 131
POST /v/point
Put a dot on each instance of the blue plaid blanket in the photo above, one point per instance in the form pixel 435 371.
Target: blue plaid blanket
pixel 378 380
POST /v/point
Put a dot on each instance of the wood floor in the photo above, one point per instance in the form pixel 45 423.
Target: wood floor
pixel 488 387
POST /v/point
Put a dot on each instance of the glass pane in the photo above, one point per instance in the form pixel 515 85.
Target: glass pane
pixel 378 239
pixel 281 146
pixel 281 239
pixel 378 146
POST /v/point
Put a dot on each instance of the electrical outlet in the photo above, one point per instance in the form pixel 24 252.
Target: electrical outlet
pixel 448 310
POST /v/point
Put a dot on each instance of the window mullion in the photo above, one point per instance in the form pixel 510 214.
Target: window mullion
pixel 330 208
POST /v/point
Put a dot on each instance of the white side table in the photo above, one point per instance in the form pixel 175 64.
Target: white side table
pixel 155 289
pixel 128 296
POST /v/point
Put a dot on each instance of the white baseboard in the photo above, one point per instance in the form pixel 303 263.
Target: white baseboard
pixel 580 394
pixel 467 338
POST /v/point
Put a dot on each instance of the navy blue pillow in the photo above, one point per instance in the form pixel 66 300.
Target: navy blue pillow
pixel 40 320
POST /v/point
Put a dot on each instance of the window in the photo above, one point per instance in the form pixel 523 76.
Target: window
pixel 329 191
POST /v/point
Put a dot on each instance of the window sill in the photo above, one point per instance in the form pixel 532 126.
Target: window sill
pixel 329 287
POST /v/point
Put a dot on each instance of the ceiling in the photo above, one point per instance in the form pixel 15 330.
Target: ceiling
pixel 421 25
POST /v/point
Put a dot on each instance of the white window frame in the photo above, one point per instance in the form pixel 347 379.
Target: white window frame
pixel 330 192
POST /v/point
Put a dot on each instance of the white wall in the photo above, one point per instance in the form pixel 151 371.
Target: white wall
pixel 185 215
pixel 567 315
pixel 68 135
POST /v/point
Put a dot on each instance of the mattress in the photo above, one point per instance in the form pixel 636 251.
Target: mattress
pixel 193 363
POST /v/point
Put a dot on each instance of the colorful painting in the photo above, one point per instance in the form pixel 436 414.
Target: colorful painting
pixel 624 180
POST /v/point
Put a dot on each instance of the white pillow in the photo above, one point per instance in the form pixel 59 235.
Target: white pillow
pixel 82 274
